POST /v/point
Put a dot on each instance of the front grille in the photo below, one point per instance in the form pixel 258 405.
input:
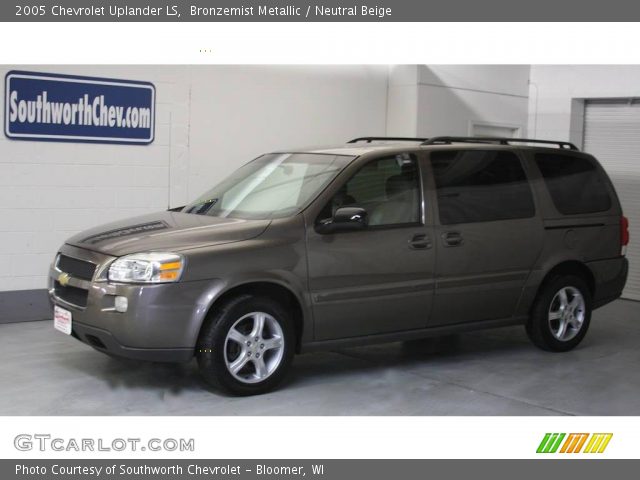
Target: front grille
pixel 73 295
pixel 76 268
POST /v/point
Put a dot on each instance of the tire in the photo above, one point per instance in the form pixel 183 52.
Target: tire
pixel 229 357
pixel 558 321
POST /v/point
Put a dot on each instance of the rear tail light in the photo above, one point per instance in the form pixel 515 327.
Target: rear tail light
pixel 624 234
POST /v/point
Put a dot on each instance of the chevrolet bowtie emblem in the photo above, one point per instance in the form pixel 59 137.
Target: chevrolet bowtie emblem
pixel 63 279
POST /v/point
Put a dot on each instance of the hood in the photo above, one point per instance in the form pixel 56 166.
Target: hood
pixel 166 231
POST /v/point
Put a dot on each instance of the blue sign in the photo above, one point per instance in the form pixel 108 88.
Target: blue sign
pixel 66 108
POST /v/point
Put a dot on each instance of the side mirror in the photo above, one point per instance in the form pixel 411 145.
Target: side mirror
pixel 175 209
pixel 345 219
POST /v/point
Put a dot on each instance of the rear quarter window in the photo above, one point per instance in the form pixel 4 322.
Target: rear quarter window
pixel 575 184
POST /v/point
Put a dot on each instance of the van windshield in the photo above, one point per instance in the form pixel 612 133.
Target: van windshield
pixel 272 186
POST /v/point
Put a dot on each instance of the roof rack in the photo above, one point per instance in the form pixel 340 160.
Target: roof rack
pixel 382 139
pixel 499 140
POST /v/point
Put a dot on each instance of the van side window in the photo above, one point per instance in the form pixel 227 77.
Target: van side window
pixel 480 186
pixel 574 183
pixel 387 188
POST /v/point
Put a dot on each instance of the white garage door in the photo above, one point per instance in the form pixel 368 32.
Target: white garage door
pixel 612 135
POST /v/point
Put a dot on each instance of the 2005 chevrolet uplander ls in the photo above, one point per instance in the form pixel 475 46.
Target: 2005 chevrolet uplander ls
pixel 382 239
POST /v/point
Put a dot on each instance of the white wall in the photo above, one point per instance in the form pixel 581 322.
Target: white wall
pixel 50 190
pixel 238 113
pixel 402 101
pixel 450 99
pixel 209 120
pixel 555 106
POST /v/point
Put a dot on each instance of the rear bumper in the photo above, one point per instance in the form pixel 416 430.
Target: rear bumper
pixel 610 278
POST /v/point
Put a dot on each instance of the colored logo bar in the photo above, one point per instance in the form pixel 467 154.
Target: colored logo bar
pixel 574 443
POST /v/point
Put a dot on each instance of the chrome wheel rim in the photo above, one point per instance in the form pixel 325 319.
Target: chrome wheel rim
pixel 566 313
pixel 254 347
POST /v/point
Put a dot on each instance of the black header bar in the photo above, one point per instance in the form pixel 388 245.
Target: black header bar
pixel 318 11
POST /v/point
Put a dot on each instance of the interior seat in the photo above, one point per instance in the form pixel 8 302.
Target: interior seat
pixel 401 205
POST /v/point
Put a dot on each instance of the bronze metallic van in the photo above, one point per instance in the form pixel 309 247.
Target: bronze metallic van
pixel 378 240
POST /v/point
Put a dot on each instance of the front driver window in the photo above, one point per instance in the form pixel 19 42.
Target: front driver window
pixel 387 188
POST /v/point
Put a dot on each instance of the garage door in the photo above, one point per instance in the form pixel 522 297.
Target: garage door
pixel 612 135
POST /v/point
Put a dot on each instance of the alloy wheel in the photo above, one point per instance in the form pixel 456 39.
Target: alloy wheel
pixel 566 313
pixel 254 347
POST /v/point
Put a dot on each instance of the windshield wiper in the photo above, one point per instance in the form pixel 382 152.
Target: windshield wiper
pixel 203 207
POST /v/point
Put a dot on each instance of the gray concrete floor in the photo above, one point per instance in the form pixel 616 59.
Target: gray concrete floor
pixel 493 372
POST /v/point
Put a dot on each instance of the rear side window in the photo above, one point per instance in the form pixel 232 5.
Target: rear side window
pixel 575 184
pixel 480 186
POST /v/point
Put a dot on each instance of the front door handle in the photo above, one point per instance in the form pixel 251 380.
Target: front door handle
pixel 420 241
pixel 452 239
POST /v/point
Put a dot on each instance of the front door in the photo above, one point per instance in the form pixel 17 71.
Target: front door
pixel 379 279
pixel 488 237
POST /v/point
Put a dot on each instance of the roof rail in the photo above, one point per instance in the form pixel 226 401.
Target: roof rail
pixel 499 140
pixel 381 139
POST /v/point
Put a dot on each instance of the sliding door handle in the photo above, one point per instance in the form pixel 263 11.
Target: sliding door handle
pixel 452 239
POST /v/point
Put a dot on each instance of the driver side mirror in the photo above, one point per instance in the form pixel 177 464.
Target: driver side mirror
pixel 345 219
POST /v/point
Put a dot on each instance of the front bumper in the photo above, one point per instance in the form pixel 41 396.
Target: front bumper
pixel 161 323
pixel 105 342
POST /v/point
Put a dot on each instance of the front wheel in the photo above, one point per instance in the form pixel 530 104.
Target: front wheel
pixel 561 314
pixel 246 346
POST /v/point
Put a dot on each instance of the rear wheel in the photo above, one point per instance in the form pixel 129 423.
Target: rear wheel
pixel 246 346
pixel 561 314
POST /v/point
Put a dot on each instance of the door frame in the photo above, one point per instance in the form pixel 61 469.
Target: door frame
pixel 426 215
pixel 533 179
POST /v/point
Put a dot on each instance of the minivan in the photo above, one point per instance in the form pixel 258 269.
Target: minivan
pixel 377 240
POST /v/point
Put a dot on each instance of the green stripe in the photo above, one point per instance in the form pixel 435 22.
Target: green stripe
pixel 558 442
pixel 543 443
pixel 549 444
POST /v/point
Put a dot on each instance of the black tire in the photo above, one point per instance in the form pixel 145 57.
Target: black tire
pixel 540 328
pixel 212 359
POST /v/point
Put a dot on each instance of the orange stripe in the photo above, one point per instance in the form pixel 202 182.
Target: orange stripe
pixel 581 443
pixel 576 439
pixel 566 443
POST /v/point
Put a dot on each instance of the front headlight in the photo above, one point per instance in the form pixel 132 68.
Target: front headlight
pixel 152 267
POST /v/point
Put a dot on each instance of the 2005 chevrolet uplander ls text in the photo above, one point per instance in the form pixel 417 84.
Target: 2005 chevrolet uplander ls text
pixel 378 240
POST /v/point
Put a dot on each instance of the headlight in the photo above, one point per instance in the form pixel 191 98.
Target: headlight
pixel 152 267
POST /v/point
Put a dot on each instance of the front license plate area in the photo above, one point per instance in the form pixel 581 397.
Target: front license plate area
pixel 62 320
